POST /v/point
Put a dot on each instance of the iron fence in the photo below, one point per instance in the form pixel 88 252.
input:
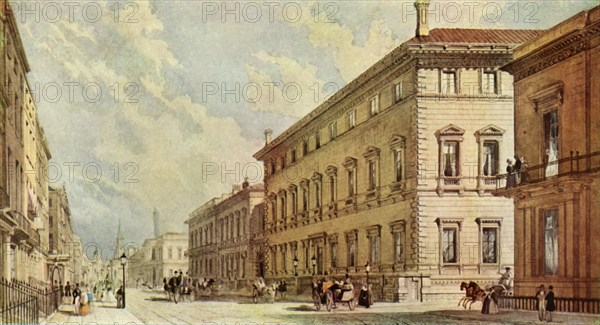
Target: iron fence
pixel 17 306
pixel 573 305
pixel 22 303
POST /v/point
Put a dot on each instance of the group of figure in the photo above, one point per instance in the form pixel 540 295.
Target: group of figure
pixel 545 303
pixel 179 285
pixel 282 288
pixel 516 173
pixel 75 296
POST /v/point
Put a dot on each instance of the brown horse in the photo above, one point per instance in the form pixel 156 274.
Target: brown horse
pixel 463 300
pixel 473 294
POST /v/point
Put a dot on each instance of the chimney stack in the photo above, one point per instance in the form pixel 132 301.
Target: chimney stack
pixel 422 26
pixel 268 133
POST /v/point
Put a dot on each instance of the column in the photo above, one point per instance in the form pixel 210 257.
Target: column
pixel 6 255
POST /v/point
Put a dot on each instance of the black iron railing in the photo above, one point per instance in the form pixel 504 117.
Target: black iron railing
pixel 22 303
pixel 573 305
pixel 17 306
pixel 572 165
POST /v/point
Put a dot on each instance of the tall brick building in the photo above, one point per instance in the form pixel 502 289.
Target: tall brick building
pixel 557 114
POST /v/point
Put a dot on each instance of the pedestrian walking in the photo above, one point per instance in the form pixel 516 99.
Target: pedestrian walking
pixel 282 288
pixel 120 297
pixel 68 289
pixel 550 306
pixel 55 294
pixel 77 298
pixel 541 302
pixel 90 298
pixel 84 307
pixel 76 292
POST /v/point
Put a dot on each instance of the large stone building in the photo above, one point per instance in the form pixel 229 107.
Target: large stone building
pixel 158 258
pixel 557 114
pixel 221 236
pixel 396 170
pixel 24 158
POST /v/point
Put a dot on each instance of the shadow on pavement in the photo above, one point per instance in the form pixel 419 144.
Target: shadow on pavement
pixel 302 308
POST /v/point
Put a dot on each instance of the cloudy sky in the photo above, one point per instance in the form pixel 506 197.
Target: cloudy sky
pixel 149 101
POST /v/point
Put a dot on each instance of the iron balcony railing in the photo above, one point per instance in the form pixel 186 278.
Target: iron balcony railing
pixel 575 164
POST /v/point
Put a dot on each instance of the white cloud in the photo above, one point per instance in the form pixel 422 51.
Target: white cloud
pixel 291 89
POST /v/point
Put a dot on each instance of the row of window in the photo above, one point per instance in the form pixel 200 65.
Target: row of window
pixel 229 227
pixel 314 250
pixel 448 81
pixel 374 108
pixel 157 253
pixel 350 164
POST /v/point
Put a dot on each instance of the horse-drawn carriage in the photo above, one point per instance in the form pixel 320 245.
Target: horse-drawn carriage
pixel 329 293
pixel 260 290
pixel 474 293
pixel 205 287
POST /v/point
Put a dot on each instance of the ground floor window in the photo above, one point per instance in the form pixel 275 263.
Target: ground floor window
pixel 551 241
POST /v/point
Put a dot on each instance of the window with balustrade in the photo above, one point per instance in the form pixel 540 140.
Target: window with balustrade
pixel 449 158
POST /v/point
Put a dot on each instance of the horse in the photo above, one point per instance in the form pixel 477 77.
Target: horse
pixel 261 289
pixel 473 294
pixel 185 290
pixel 172 288
pixel 204 287
pixel 463 300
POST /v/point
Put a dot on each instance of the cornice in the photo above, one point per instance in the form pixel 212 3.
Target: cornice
pixel 434 59
pixel 394 59
pixel 557 51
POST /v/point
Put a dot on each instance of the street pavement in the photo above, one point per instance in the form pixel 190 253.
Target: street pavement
pixel 151 307
pixel 100 313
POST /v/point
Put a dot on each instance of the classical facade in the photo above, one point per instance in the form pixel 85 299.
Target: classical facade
pixel 557 109
pixel 141 268
pixel 24 158
pixel 397 168
pixel 62 244
pixel 221 236
pixel 158 258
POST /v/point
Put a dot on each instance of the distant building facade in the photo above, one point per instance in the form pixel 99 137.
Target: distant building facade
pixel 158 258
pixel 63 245
pixel 557 109
pixel 220 237
pixel 396 170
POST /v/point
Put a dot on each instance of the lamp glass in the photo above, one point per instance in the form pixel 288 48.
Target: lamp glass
pixel 123 259
pixel 314 260
pixel 368 267
pixel 295 261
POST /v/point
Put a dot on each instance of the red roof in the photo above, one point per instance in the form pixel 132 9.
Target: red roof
pixel 476 36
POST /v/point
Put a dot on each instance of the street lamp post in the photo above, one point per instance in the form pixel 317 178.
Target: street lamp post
pixel 314 263
pixel 123 262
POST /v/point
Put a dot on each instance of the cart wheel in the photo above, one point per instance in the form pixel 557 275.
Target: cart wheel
pixel 329 303
pixel 255 295
pixel 316 300
pixel 351 304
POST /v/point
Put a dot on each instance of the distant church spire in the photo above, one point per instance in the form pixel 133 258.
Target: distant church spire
pixel 156 223
pixel 119 244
